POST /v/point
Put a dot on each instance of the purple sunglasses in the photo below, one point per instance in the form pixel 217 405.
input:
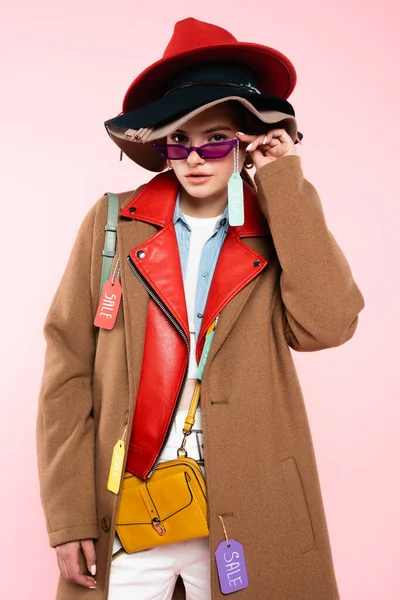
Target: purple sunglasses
pixel 209 151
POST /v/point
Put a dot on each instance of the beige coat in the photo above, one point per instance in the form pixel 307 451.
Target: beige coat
pixel 260 464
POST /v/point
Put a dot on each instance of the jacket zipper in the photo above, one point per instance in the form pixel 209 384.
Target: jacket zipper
pixel 165 310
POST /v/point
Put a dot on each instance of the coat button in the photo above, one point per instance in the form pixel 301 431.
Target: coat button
pixel 140 253
pixel 132 209
pixel 257 262
pixel 105 523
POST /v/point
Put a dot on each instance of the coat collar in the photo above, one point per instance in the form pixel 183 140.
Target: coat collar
pixel 158 261
pixel 155 204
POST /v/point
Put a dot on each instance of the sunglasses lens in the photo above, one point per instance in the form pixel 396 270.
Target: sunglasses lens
pixel 207 151
pixel 171 151
pixel 216 150
pixel 176 152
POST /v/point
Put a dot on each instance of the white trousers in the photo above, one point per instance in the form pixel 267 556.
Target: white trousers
pixel 152 574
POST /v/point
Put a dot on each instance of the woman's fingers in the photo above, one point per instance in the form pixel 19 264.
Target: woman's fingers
pixel 254 144
pixel 272 138
pixel 273 142
pixel 268 147
pixel 245 137
pixel 90 555
pixel 258 158
pixel 68 563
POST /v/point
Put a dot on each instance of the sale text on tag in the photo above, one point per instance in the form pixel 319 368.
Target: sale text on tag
pixel 231 566
pixel 117 461
pixel 109 304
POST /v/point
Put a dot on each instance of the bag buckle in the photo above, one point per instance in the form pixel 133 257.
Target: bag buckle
pixel 181 452
pixel 158 526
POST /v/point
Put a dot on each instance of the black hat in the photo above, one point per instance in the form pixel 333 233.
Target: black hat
pixel 185 95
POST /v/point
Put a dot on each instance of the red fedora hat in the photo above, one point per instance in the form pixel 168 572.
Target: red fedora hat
pixel 194 42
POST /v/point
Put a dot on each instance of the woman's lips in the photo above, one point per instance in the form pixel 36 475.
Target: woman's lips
pixel 198 179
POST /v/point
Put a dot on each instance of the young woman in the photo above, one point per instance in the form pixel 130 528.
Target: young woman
pixel 275 282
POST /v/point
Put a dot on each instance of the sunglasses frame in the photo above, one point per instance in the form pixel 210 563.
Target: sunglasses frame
pixel 163 149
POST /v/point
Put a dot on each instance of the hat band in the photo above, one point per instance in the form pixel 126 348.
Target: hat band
pixel 241 86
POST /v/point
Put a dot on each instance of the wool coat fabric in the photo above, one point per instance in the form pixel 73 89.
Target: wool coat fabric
pixel 261 469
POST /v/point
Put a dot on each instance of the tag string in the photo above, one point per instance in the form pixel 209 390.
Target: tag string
pixel 236 157
pixel 115 271
pixel 124 434
pixel 225 533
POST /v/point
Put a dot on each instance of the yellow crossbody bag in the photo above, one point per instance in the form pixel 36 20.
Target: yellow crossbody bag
pixel 171 506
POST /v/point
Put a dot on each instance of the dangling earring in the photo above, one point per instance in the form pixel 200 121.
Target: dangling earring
pixel 235 192
pixel 248 163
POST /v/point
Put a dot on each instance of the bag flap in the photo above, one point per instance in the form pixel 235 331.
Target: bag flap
pixel 166 494
pixel 170 495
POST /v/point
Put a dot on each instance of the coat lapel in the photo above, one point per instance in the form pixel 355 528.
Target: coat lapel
pixel 237 266
pixel 157 258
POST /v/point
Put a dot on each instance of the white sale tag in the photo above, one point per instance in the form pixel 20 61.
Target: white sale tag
pixel 235 200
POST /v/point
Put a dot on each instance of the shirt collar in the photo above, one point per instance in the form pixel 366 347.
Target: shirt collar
pixel 223 221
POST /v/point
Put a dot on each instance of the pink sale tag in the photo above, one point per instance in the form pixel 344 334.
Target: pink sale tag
pixel 109 304
pixel 231 567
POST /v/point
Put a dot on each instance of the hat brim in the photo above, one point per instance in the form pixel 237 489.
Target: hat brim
pixel 136 142
pixel 189 98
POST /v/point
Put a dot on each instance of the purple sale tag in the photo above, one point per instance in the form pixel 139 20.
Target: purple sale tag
pixel 231 567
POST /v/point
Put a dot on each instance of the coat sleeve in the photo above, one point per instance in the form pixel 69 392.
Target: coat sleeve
pixel 320 297
pixel 65 427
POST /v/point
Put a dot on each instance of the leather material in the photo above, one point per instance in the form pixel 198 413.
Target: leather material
pixel 163 369
pixel 237 265
pixel 161 267
pixel 190 419
pixel 170 507
pixel 166 355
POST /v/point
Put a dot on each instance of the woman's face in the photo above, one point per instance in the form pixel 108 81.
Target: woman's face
pixel 215 124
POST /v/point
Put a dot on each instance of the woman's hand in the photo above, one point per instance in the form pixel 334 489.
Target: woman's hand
pixel 68 563
pixel 264 149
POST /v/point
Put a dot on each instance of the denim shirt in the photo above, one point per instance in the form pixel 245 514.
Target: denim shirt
pixel 208 260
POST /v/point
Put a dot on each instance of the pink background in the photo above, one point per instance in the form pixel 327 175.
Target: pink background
pixel 64 70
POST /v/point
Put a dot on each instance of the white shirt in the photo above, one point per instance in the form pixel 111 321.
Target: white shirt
pixel 201 231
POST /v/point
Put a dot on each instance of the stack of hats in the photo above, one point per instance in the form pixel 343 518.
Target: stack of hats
pixel 202 66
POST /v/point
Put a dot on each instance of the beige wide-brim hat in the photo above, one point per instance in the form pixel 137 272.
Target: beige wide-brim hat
pixel 137 143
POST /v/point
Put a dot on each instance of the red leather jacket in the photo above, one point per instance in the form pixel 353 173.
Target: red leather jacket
pixel 156 263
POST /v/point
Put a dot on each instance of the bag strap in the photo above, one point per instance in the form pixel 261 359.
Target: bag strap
pixel 110 240
pixel 190 420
